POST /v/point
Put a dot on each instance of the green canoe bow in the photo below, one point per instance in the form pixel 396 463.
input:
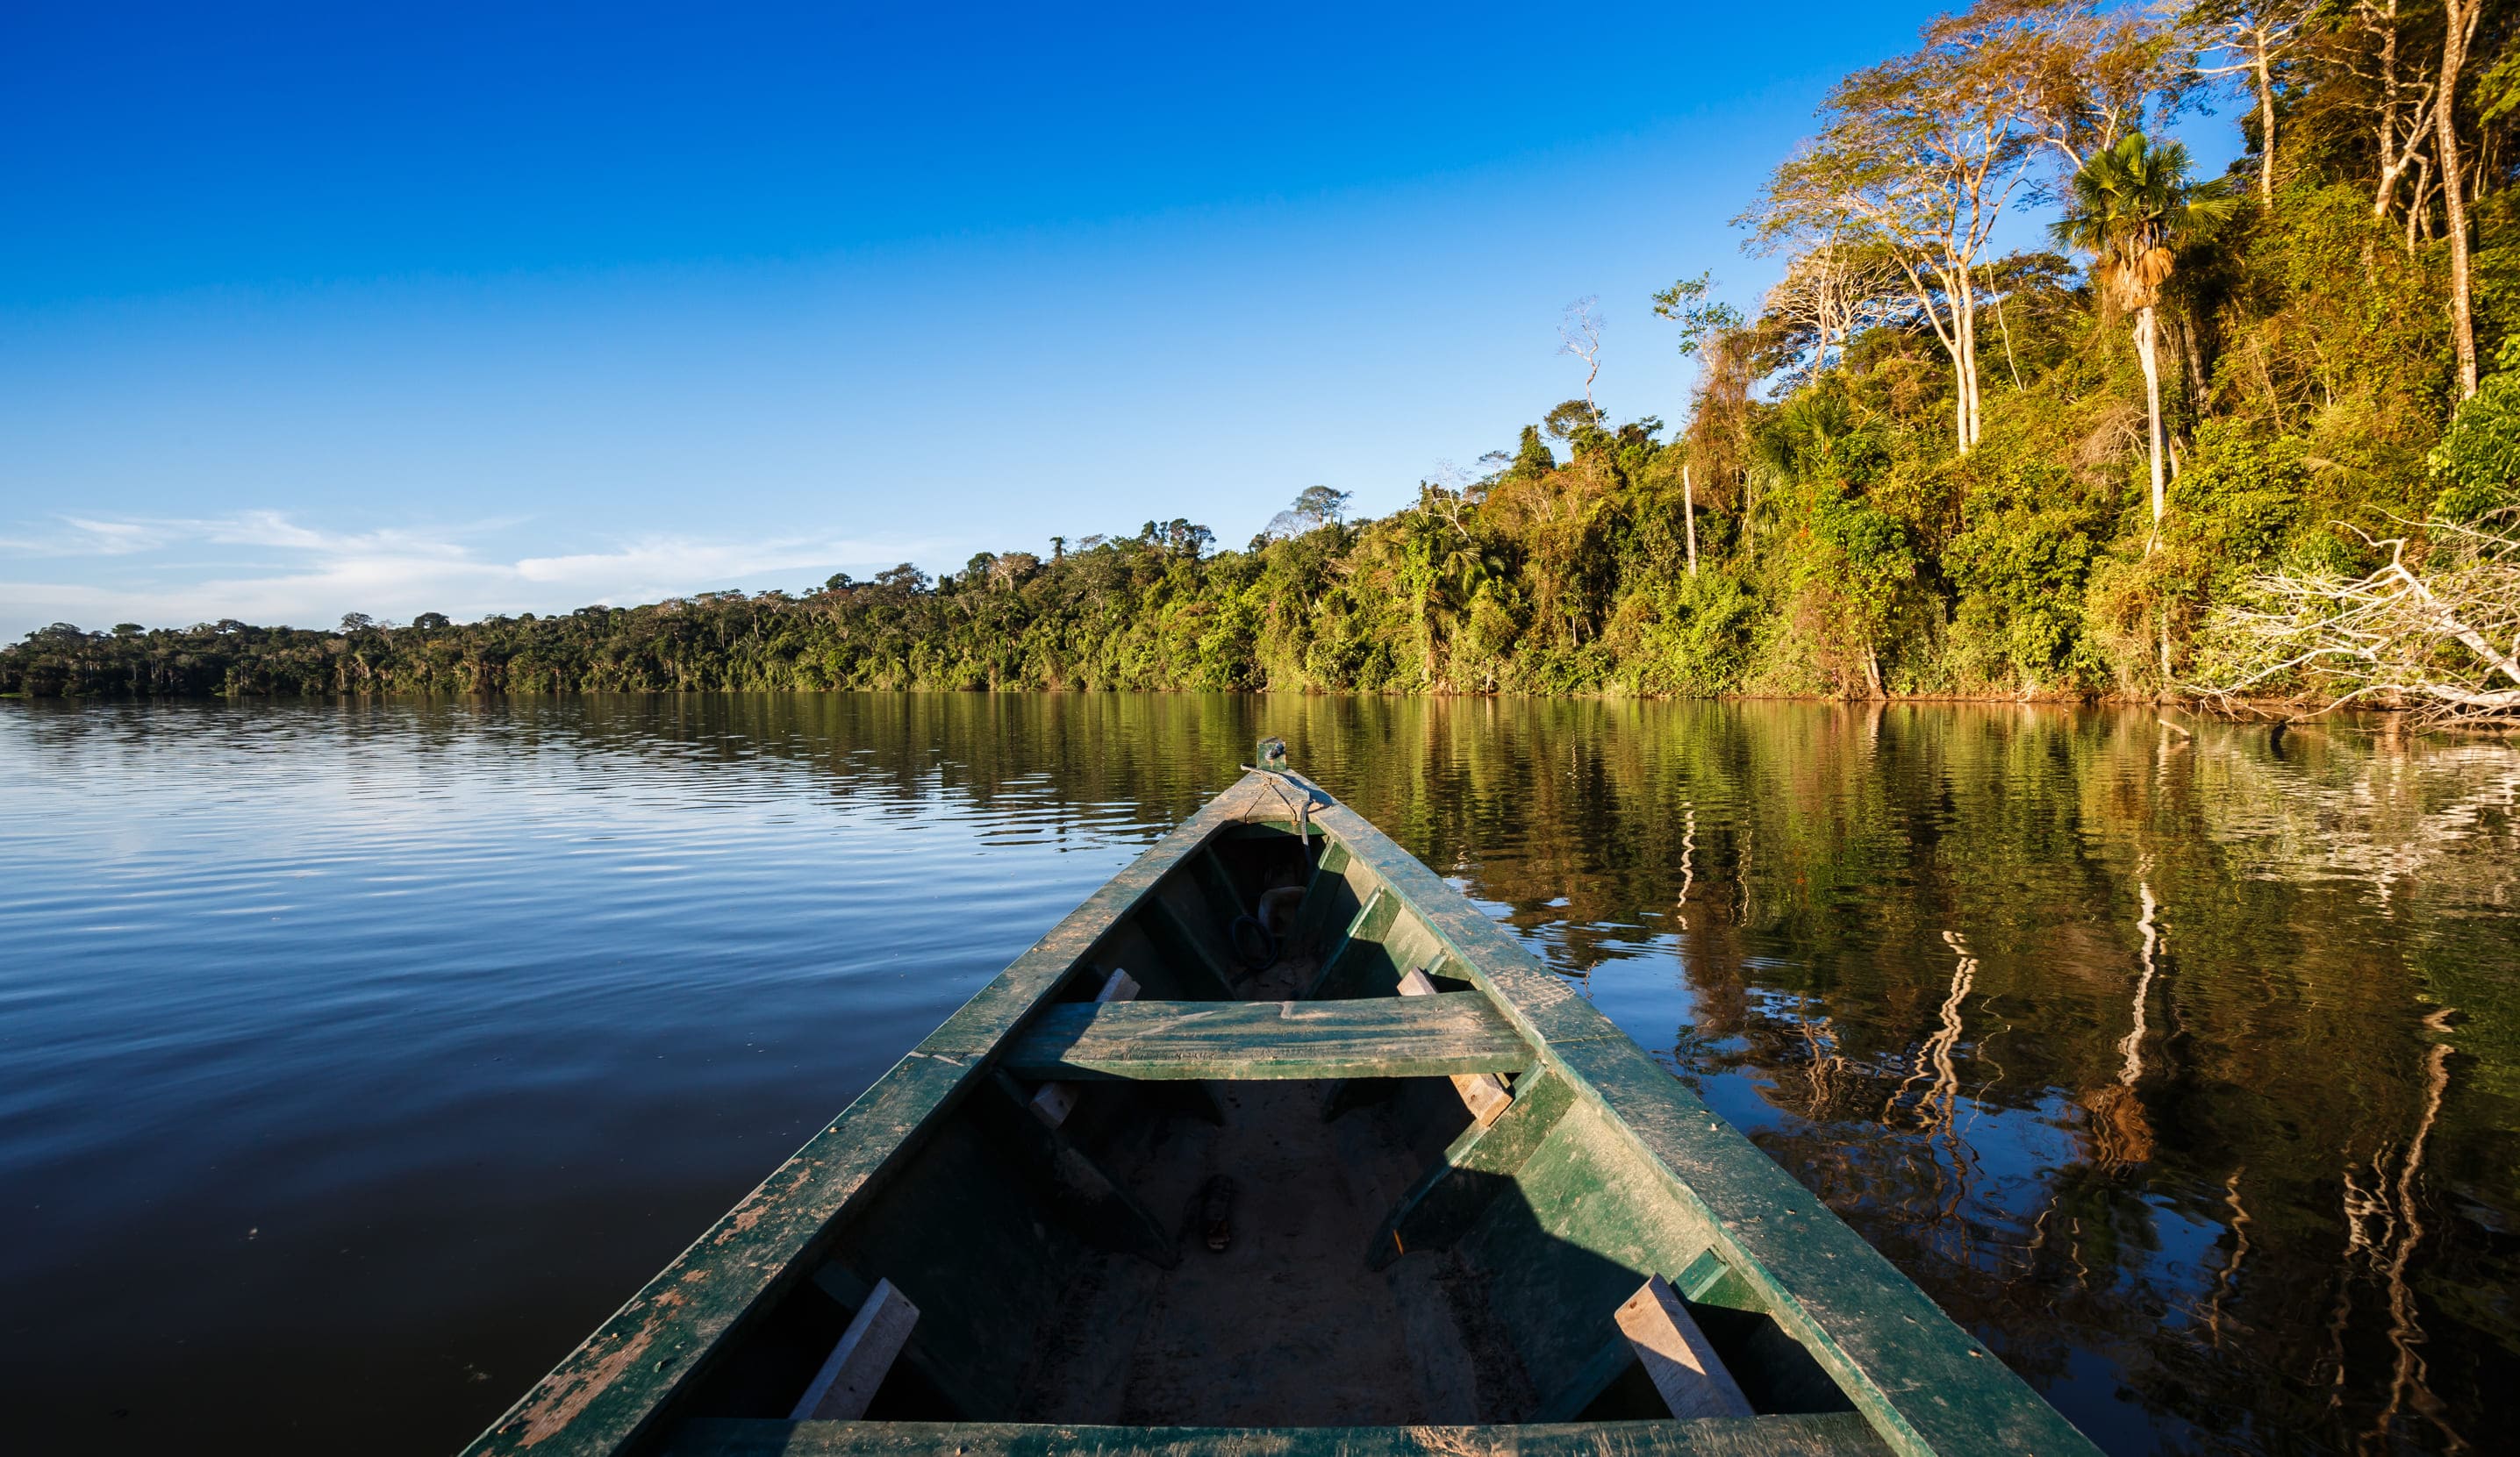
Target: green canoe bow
pixel 1468 1303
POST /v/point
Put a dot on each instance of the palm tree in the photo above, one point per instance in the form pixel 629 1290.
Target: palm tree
pixel 2133 210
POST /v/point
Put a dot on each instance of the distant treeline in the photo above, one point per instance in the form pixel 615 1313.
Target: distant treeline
pixel 1920 468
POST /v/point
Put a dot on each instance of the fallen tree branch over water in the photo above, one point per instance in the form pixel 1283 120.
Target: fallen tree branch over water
pixel 2439 634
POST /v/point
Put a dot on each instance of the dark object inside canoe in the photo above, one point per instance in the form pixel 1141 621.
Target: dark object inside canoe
pixel 1216 1213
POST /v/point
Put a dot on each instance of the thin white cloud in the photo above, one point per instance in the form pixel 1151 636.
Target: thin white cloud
pixel 669 558
pixel 116 537
pixel 308 576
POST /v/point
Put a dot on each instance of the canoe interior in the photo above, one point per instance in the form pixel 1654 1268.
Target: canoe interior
pixel 1400 1274
pixel 1043 1303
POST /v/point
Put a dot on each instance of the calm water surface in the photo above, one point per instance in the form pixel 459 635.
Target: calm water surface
pixel 356 1060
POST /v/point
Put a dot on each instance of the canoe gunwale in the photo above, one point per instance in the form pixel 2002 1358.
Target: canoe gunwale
pixel 1922 1384
pixel 1755 1437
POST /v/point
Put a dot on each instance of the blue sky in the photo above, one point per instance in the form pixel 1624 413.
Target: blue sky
pixel 308 310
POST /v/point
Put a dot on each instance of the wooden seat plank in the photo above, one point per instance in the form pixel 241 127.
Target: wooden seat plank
pixel 1678 1357
pixel 1483 1093
pixel 1052 1102
pixel 846 1385
pixel 1445 1035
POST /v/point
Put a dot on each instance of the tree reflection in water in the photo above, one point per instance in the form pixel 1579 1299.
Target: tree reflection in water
pixel 2180 1065
pixel 2183 1065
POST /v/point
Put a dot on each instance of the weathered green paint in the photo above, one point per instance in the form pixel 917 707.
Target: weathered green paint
pixel 1163 968
pixel 1709 1281
pixel 1408 945
pixel 1612 1355
pixel 971 1231
pixel 1265 829
pixel 1441 971
pixel 1180 912
pixel 1416 1036
pixel 1838 1435
pixel 1580 1226
pixel 1361 943
pixel 1449 1197
pixel 1338 886
pixel 1356 1092
pixel 1634 1177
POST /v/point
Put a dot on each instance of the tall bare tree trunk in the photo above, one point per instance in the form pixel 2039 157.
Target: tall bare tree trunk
pixel 2419 208
pixel 2460 18
pixel 1949 294
pixel 2148 352
pixel 1689 509
pixel 2399 149
pixel 2010 364
pixel 1959 395
pixel 1977 402
pixel 2266 124
pixel 1965 328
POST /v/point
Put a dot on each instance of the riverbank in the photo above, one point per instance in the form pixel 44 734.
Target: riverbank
pixel 2387 719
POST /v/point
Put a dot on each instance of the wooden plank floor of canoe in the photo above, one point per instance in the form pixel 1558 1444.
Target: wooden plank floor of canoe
pixel 1288 1326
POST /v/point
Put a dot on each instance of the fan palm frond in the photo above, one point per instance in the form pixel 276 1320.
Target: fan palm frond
pixel 2132 209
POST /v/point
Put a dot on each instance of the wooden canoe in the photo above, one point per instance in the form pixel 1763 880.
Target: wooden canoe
pixel 1473 1220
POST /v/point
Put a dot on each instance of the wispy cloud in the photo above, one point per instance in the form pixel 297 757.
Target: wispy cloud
pixel 115 537
pixel 268 566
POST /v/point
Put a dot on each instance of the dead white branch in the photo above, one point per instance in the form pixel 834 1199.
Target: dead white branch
pixel 2436 627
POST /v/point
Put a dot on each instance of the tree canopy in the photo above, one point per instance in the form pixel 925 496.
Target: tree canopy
pixel 1916 464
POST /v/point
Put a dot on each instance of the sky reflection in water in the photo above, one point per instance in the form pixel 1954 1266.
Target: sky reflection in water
pixel 360 1058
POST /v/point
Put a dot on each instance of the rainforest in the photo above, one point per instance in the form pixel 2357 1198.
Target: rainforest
pixel 2035 410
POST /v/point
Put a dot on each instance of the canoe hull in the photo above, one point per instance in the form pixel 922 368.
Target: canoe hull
pixel 1407 1263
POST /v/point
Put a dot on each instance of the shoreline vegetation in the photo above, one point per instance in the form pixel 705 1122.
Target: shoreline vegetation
pixel 2249 439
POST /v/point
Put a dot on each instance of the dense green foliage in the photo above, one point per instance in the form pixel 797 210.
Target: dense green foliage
pixel 1843 542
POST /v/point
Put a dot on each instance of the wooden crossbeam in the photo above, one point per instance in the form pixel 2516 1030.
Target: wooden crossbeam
pixel 849 1290
pixel 841 1390
pixel 1484 1093
pixel 1053 1101
pixel 1096 1205
pixel 1704 1282
pixel 1678 1357
pixel 1481 1162
pixel 1423 1037
pixel 1195 962
pixel 1372 923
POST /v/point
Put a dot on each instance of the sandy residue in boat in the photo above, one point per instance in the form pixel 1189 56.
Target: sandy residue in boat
pixel 1288 1326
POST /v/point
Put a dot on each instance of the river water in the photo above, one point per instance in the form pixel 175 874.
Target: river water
pixel 357 1058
